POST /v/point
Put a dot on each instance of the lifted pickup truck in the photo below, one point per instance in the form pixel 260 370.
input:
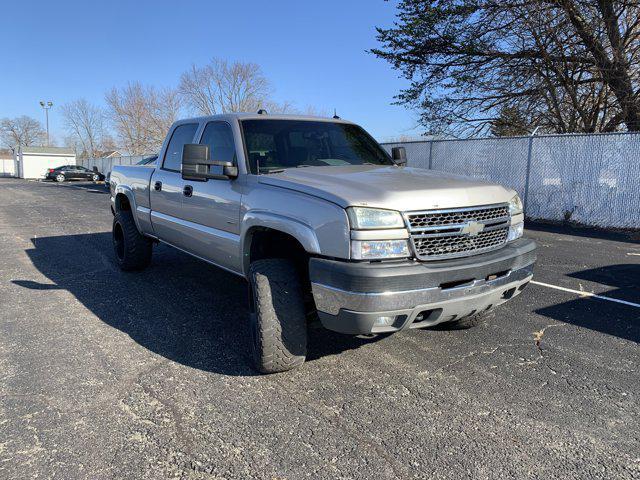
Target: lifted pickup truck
pixel 321 220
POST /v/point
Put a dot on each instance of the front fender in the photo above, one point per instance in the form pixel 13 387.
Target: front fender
pixel 299 230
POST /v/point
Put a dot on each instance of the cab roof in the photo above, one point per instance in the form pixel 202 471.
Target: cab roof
pixel 259 116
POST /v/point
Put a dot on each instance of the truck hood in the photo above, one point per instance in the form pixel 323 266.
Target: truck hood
pixel 395 188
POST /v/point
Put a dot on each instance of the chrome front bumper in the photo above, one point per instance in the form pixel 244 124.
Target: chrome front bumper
pixel 331 300
pixel 470 286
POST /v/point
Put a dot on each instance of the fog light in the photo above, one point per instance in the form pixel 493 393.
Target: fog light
pixel 515 231
pixel 384 321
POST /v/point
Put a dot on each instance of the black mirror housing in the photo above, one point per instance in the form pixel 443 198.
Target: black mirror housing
pixel 399 155
pixel 196 164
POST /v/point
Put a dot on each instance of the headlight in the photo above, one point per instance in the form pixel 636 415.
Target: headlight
pixel 515 231
pixel 515 205
pixel 379 249
pixel 374 218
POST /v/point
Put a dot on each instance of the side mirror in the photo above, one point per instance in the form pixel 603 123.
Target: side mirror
pixel 196 164
pixel 399 155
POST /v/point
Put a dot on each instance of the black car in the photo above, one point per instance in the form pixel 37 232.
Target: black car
pixel 73 172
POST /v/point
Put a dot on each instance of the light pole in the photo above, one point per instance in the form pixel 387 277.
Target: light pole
pixel 46 106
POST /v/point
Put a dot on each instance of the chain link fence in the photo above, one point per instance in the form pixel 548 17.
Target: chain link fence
pixel 592 179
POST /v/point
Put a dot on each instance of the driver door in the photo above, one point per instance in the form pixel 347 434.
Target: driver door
pixel 212 209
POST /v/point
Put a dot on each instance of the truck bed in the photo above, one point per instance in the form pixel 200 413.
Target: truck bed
pixel 137 178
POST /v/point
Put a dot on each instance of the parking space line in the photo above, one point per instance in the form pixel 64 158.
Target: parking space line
pixel 587 294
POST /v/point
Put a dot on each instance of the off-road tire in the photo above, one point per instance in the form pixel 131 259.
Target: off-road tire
pixel 277 315
pixel 132 249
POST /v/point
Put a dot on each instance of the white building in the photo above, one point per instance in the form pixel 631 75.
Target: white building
pixel 33 162
pixel 7 164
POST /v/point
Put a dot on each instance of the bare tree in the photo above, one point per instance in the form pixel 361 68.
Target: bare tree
pixel 315 111
pixel 278 107
pixel 510 123
pixel 164 108
pixel 566 65
pixel 221 86
pixel 127 112
pixel 85 126
pixel 141 115
pixel 21 131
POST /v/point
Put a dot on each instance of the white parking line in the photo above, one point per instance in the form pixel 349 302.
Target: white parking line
pixel 587 294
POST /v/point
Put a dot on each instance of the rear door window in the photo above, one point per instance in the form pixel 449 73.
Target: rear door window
pixel 181 135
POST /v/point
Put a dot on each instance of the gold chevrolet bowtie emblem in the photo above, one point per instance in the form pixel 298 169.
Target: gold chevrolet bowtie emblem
pixel 473 228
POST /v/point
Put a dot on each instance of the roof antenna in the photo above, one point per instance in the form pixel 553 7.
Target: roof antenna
pixel 335 114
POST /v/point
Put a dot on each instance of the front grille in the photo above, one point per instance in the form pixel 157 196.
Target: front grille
pixel 440 234
pixel 420 220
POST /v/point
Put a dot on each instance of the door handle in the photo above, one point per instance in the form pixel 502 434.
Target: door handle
pixel 187 191
pixel 157 186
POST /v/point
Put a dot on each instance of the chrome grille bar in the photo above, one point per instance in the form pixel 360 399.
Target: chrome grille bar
pixel 450 229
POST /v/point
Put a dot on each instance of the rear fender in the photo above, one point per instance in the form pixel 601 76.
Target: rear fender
pixel 125 190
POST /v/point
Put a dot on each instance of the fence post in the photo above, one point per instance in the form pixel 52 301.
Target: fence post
pixel 528 173
pixel 430 154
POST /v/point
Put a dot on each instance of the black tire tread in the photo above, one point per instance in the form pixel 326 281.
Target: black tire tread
pixel 137 247
pixel 280 315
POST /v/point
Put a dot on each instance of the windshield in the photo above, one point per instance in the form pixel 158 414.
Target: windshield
pixel 278 144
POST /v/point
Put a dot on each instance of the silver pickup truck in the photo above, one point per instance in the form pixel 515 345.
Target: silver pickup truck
pixel 323 223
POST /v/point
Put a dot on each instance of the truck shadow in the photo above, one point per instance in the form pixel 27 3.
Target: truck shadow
pixel 180 308
pixel 600 315
pixel 625 278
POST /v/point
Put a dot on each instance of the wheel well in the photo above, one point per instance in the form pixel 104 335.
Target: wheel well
pixel 122 203
pixel 270 243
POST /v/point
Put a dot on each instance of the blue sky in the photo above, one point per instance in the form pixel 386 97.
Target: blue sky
pixel 312 52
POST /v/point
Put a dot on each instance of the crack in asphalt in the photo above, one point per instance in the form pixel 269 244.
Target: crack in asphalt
pixel 472 354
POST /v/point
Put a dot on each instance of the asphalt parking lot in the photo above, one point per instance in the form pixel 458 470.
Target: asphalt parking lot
pixel 105 374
